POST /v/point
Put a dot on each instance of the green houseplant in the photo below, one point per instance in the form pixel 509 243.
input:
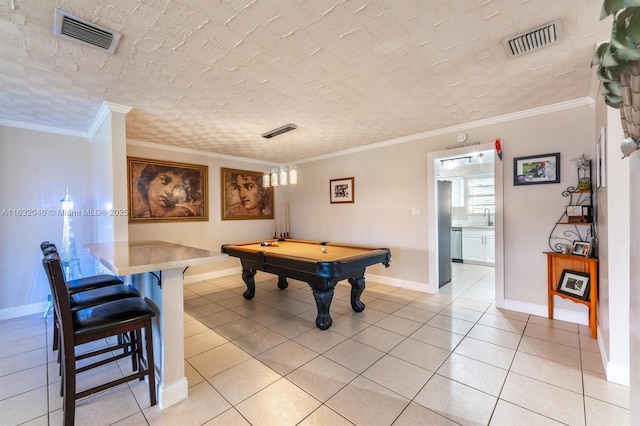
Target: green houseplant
pixel 618 67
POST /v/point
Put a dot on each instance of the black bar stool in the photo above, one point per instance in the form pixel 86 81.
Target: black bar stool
pixel 130 316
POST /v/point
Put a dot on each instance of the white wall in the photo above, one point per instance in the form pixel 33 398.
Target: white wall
pixel 634 307
pixel 110 176
pixel 613 219
pixel 36 168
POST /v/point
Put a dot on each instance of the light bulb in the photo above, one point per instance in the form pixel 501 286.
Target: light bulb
pixel 283 176
pixel 266 177
pixel 293 175
pixel 274 177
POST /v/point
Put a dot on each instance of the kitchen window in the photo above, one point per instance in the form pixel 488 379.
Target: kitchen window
pixel 481 195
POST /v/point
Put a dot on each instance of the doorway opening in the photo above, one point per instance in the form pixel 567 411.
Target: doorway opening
pixel 474 233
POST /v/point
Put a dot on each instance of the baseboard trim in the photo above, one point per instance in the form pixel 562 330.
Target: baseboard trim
pixel 542 311
pixel 616 373
pixel 188 279
pixel 396 282
pixel 23 311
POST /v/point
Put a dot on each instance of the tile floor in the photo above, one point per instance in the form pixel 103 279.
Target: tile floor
pixel 408 359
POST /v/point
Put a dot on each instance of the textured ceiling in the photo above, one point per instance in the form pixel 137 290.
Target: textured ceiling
pixel 215 75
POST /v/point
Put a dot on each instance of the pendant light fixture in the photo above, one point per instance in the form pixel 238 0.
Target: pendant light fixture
pixel 293 174
pixel 283 175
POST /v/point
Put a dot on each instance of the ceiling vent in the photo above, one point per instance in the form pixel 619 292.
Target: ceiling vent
pixel 280 130
pixel 75 29
pixel 534 39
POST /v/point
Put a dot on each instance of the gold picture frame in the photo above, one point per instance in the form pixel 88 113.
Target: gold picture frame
pixel 243 195
pixel 166 191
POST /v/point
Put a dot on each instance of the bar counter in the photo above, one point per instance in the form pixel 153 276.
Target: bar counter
pixel 156 268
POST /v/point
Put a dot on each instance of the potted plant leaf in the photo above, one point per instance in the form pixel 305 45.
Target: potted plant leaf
pixel 618 62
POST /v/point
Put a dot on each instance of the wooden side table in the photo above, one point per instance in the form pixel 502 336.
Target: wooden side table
pixel 558 262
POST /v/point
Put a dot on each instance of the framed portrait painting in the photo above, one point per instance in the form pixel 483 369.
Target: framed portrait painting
pixel 574 284
pixel 244 196
pixel 341 190
pixel 164 191
pixel 536 169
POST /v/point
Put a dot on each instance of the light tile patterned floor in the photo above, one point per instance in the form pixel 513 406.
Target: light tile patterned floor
pixel 410 358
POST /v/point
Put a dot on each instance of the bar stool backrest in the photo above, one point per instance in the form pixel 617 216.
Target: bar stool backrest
pixel 59 290
pixel 47 245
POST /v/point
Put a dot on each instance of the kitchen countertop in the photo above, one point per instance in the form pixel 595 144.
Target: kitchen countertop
pixel 471 225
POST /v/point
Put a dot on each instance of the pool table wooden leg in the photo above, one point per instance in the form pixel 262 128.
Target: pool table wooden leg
pixel 282 282
pixel 357 287
pixel 323 302
pixel 248 278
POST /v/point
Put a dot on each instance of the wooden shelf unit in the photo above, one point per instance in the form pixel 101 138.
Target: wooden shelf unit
pixel 558 262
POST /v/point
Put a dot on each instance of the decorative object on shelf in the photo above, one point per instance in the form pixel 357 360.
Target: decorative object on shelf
pixel 619 68
pixel 574 284
pixel 341 190
pixel 244 196
pixel 581 248
pixel 576 221
pixel 584 172
pixel 164 191
pixel 536 169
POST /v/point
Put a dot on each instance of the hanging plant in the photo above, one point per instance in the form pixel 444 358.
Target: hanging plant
pixel 618 63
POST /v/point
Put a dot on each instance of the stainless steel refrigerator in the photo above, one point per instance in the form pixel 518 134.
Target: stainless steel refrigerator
pixel 444 232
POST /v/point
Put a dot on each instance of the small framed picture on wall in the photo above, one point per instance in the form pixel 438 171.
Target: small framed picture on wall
pixel 341 190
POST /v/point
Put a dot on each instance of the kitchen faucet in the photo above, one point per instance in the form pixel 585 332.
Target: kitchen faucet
pixel 487 214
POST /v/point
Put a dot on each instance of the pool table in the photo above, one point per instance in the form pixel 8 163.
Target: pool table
pixel 321 264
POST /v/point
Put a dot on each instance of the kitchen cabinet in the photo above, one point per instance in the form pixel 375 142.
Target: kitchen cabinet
pixel 478 245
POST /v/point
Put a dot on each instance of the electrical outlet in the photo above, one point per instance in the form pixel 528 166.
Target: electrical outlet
pixel 415 211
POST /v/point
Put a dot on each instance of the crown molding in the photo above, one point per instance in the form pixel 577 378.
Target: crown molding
pixel 182 150
pixel 41 128
pixel 580 102
pixel 108 107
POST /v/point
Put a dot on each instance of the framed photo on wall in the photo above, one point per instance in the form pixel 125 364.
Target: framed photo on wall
pixel 164 191
pixel 574 284
pixel 536 169
pixel 341 190
pixel 244 196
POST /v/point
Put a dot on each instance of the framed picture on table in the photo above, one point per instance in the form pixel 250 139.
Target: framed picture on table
pixel 165 191
pixel 581 248
pixel 536 169
pixel 574 284
pixel 341 190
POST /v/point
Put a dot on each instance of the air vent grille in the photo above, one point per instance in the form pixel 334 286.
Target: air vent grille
pixel 280 130
pixel 534 39
pixel 73 28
